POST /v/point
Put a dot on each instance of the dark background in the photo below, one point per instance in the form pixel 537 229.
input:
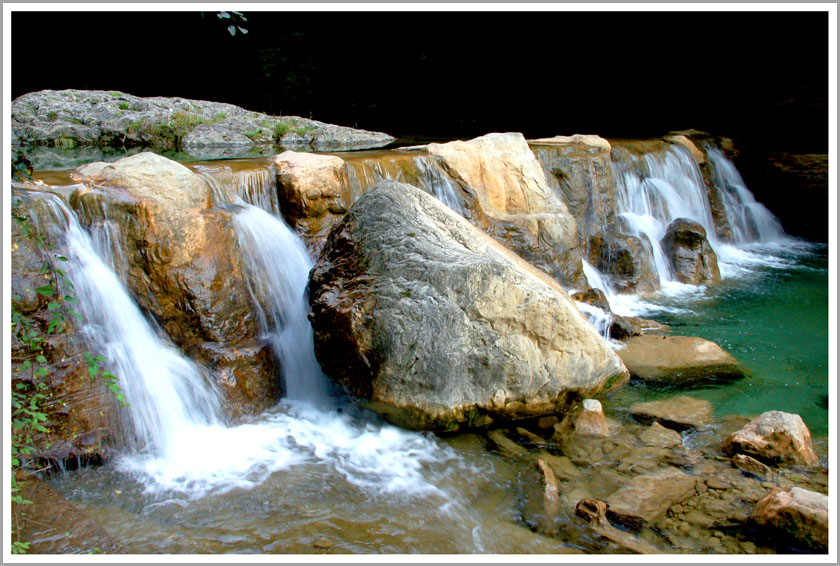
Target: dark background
pixel 760 77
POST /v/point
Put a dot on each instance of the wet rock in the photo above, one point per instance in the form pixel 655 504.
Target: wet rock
pixel 587 419
pixel 622 327
pixel 53 525
pixel 678 413
pixel 797 514
pixel 579 172
pixel 427 321
pixel 312 194
pixel 626 259
pixel 751 465
pixel 774 437
pixel 661 437
pixel 509 198
pixel 562 466
pixel 179 256
pixel 681 140
pixel 502 444
pixel 647 497
pixel 528 438
pixel 547 422
pixel 594 297
pixel 593 511
pixel 692 258
pixel 678 360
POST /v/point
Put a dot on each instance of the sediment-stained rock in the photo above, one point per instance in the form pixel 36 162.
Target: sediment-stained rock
pixel 797 514
pixel 678 360
pixel 775 437
pixel 692 258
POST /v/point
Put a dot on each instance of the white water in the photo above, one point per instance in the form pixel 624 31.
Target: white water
pixel 750 220
pixel 179 445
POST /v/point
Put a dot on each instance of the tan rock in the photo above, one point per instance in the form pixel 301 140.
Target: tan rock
pixel 510 199
pixel 312 194
pixel 775 437
pixel 678 413
pixel 586 420
pixel 678 360
pixel 751 465
pixel 685 142
pixel 590 140
pixel 796 513
pixel 645 498
pixel 660 437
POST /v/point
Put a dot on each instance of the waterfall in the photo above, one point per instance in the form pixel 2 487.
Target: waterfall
pixel 418 170
pixel 257 187
pixel 750 220
pixel 278 267
pixel 656 188
pixel 168 396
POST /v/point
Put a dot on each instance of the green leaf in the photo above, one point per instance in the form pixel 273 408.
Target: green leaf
pixel 88 357
pixel 53 305
pixel 27 364
pixel 61 258
pixel 70 299
pixel 41 359
pixel 54 323
pixel 46 290
pixel 92 371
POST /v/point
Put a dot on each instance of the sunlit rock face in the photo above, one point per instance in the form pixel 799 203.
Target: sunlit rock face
pixel 509 198
pixel 182 265
pixel 426 320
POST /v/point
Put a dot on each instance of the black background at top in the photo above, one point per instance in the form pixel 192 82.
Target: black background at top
pixel 759 77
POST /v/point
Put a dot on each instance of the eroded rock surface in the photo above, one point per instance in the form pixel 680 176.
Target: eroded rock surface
pixel 796 513
pixel 775 437
pixel 692 258
pixel 678 413
pixel 426 320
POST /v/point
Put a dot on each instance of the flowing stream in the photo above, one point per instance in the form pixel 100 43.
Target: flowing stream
pixel 315 473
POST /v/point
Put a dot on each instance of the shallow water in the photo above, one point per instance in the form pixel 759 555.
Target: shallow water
pixel 771 313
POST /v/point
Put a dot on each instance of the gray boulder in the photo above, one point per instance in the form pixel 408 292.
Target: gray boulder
pixel 431 323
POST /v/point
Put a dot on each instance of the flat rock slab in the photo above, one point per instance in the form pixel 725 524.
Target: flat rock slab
pixel 647 497
pixel 677 413
pixel 678 360
pixel 660 437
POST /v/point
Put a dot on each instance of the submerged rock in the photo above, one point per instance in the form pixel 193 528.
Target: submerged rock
pixel 646 497
pixel 509 198
pixel 678 360
pixel 797 514
pixel 775 437
pixel 427 321
pixel 692 258
pixel 678 413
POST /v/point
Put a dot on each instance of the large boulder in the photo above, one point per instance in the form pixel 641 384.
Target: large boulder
pixel 691 257
pixel 799 516
pixel 678 360
pixel 179 256
pixel 626 259
pixel 429 322
pixel 312 193
pixel 774 437
pixel 509 198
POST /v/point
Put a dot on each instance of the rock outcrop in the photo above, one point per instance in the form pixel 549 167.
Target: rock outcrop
pixel 692 258
pixel 509 198
pixel 426 320
pixel 774 437
pixel 180 255
pixel 70 118
pixel 682 361
pixel 627 260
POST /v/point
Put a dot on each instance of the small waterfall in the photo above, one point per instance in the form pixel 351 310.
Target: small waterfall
pixel 418 170
pixel 278 266
pixel 656 188
pixel 257 187
pixel 168 396
pixel 750 220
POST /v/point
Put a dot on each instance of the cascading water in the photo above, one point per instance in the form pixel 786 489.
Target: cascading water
pixel 750 220
pixel 418 170
pixel 169 398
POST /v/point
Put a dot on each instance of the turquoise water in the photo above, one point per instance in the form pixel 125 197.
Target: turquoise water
pixel 771 313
